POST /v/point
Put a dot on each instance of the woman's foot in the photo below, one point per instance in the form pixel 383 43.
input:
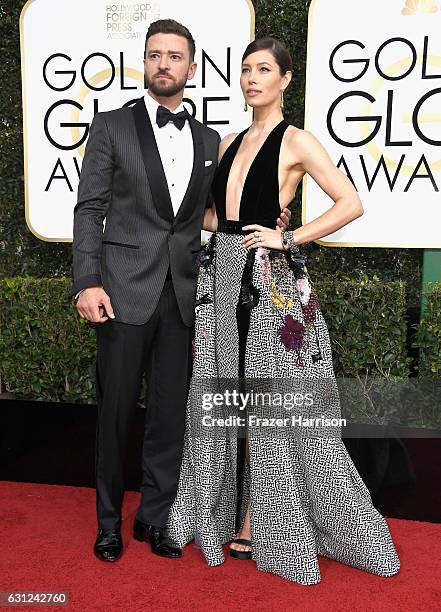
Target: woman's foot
pixel 244 534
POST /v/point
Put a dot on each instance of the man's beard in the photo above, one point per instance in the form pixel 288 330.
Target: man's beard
pixel 167 89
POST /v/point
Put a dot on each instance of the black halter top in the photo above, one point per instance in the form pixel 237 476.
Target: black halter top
pixel 259 202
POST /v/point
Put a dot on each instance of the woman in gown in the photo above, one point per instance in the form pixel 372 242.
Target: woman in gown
pixel 257 317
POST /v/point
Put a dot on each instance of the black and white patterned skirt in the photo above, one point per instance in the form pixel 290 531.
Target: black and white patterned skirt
pixel 258 317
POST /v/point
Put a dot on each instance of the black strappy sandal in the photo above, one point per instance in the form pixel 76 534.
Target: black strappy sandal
pixel 243 555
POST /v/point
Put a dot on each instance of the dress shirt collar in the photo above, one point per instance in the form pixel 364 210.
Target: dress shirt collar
pixel 152 107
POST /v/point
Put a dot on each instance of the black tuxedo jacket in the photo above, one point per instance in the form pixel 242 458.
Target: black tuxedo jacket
pixel 123 182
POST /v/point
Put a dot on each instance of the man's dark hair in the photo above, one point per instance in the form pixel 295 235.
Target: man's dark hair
pixel 278 50
pixel 170 26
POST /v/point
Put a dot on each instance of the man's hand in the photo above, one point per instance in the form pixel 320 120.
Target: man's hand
pixel 94 305
pixel 284 220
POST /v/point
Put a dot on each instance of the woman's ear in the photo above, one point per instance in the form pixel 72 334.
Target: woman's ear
pixel 287 78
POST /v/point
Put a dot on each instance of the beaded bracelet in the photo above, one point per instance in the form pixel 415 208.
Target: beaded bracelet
pixel 288 241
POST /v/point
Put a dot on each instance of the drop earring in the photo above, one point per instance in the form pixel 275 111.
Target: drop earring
pixel 245 108
pixel 282 102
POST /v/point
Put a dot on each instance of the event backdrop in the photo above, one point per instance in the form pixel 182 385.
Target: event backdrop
pixel 80 57
pixel 373 98
pixel 46 350
pixel 22 253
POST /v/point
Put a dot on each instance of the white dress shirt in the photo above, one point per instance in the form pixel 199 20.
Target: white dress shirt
pixel 176 151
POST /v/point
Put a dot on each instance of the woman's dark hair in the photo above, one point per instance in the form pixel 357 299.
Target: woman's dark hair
pixel 278 50
pixel 170 26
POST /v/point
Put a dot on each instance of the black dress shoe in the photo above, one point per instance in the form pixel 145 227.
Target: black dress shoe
pixel 108 545
pixel 159 542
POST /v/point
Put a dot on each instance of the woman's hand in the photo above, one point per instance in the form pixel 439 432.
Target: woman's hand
pixel 284 220
pixel 260 236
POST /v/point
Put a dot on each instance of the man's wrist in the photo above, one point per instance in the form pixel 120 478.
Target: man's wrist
pixel 77 295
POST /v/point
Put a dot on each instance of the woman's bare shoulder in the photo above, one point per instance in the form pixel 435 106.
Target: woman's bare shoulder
pixel 301 142
pixel 298 135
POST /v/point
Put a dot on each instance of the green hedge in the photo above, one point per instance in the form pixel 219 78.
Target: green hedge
pixel 46 349
pixel 366 319
pixel 22 253
pixel 428 336
pixel 47 352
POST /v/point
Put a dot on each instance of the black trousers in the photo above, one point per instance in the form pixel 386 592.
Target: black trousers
pixel 162 349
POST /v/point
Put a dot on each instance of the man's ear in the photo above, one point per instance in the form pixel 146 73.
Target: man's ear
pixel 192 70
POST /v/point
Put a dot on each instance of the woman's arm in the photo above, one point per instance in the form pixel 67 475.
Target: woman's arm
pixel 311 157
pixel 315 161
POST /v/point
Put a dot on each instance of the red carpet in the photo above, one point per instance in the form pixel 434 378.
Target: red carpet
pixel 47 534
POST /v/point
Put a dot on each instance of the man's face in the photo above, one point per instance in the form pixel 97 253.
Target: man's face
pixel 167 64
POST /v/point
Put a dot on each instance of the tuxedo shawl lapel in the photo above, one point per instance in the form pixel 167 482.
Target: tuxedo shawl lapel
pixel 152 162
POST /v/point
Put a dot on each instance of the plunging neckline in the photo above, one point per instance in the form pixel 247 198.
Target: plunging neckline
pixel 241 136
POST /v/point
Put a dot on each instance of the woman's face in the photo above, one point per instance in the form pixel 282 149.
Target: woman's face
pixel 261 80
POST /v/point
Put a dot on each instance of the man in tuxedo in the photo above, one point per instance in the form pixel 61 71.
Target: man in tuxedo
pixel 147 172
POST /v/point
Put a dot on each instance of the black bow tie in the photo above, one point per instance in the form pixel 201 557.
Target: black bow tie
pixel 164 115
